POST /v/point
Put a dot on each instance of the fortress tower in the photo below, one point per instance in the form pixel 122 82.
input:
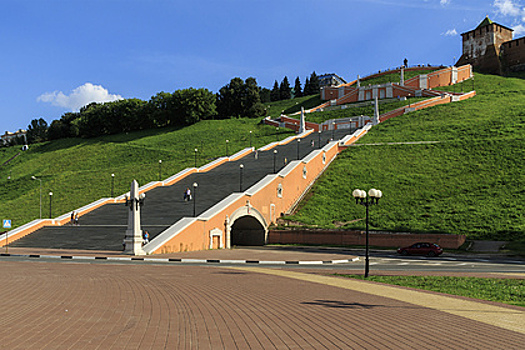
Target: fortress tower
pixel 490 49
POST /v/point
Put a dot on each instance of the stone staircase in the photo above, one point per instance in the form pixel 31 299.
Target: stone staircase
pixel 104 228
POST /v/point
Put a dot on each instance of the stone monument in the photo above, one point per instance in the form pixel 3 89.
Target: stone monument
pixel 133 239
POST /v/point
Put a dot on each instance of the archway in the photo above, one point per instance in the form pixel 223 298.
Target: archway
pixel 248 231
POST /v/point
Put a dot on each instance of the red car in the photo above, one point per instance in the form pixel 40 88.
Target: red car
pixel 422 248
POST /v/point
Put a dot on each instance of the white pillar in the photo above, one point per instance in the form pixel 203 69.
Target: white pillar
pixel 133 239
pixel 402 82
pixel 358 81
pixel 302 122
pixel 376 112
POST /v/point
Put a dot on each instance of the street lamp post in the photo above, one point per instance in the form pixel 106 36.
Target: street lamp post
pixel 40 180
pixel 196 157
pixel 333 130
pixel 227 142
pixel 241 169
pixel 50 201
pixel 250 139
pixel 160 169
pixel 298 143
pixel 277 134
pixel 319 133
pixel 195 185
pixel 112 184
pixel 274 158
pixel 361 198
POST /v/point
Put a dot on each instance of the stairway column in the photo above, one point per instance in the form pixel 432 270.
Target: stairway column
pixel 133 239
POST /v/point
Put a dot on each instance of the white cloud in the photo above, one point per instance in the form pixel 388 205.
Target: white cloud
pixel 450 32
pixel 79 97
pixel 444 2
pixel 519 30
pixel 508 8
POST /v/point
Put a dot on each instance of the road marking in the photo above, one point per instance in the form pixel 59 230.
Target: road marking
pixel 503 317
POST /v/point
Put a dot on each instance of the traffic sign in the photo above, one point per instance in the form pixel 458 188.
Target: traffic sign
pixel 6 223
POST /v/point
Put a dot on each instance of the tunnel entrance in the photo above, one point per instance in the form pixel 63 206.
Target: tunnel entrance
pixel 247 231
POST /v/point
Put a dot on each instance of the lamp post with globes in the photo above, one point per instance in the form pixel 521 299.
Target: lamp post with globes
pixel 274 158
pixel 195 185
pixel 298 144
pixel 50 201
pixel 160 169
pixel 361 198
pixel 112 184
pixel 196 157
pixel 241 169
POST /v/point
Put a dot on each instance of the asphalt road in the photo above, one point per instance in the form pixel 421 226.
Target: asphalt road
pixel 385 262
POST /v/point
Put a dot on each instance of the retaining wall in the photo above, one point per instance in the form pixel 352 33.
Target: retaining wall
pixel 344 238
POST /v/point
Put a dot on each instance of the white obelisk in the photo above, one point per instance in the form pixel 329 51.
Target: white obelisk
pixel 133 239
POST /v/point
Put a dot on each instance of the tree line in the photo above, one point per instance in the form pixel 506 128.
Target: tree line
pixel 238 98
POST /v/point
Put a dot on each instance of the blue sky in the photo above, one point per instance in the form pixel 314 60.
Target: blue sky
pixel 59 54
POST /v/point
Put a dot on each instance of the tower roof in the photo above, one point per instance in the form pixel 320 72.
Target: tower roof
pixel 485 22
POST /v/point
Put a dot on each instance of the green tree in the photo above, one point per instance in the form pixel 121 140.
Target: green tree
pixel 265 94
pixel 240 99
pixel 37 131
pixel 62 128
pixel 160 109
pixel 192 105
pixel 307 88
pixel 285 92
pixel 314 84
pixel 275 95
pixel 297 91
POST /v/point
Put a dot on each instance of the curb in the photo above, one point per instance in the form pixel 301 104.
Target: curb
pixel 190 261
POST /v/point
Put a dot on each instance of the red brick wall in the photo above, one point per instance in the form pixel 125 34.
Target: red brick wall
pixel 338 237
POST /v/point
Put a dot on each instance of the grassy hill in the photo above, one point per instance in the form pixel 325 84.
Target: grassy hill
pixel 78 171
pixel 472 181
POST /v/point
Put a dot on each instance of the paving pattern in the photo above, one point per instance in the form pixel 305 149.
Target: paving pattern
pixel 105 227
pixel 95 306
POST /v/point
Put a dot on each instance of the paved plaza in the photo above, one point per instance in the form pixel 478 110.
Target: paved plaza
pixel 78 305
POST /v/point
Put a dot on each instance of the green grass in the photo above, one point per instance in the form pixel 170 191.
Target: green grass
pixel 508 291
pixel 471 182
pixel 320 117
pixel 293 105
pixel 78 171
pixel 394 77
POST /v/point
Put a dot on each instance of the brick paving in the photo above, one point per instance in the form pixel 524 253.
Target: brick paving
pixel 67 305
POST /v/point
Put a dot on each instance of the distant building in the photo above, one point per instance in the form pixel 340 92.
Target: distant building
pixel 490 49
pixel 330 80
pixel 10 136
